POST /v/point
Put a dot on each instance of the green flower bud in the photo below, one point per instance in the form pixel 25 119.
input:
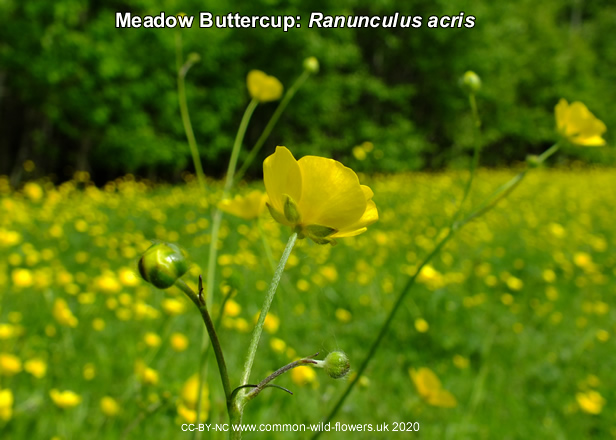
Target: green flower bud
pixel 336 364
pixel 470 82
pixel 194 58
pixel 311 64
pixel 162 264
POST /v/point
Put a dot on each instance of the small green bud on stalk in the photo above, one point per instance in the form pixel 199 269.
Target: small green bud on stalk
pixel 311 64
pixel 336 364
pixel 162 264
pixel 470 82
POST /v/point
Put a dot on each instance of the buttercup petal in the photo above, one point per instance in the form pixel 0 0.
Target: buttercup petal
pixel 282 176
pixel 331 194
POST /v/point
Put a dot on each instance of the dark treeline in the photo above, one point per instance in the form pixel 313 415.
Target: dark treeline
pixel 78 94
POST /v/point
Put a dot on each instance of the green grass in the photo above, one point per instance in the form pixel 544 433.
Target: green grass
pixel 525 294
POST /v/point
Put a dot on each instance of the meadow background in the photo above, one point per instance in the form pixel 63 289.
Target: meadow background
pixel 516 316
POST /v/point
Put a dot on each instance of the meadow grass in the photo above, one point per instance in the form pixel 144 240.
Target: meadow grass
pixel 516 316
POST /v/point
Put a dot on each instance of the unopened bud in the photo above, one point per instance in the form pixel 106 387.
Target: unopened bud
pixel 194 58
pixel 470 82
pixel 311 64
pixel 336 364
pixel 162 264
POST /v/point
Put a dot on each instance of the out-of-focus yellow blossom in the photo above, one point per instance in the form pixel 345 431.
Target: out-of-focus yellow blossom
pixel 9 238
pixel 89 371
pixel 189 397
pixel 108 283
pixel 62 313
pixel 421 325
pixel 578 125
pixel 460 361
pixel 430 388
pixel 98 324
pixel 22 277
pixel 271 323
pixel 7 331
pixel 320 198
pixel 278 345
pixel 232 308
pixel 173 306
pixel 343 315
pixel 33 191
pixel 64 399
pixel 151 339
pixel 10 364
pixel 36 367
pixel 247 207
pixel 146 374
pixel 109 406
pixel 263 87
pixel 515 283
pixel 590 402
pixel 179 342
pixel 303 375
pixel 128 277
pixel 6 405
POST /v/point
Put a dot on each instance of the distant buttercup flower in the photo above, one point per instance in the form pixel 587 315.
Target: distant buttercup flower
pixel 109 406
pixel 6 405
pixel 263 87
pixel 64 399
pixel 247 207
pixel 578 125
pixel 590 402
pixel 430 389
pixel 320 198
pixel 10 364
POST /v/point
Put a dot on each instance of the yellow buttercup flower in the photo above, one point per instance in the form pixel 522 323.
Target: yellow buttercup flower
pixel 247 207
pixel 62 313
pixel 430 389
pixel 578 125
pixel 36 367
pixel 109 406
pixel 10 364
pixel 6 405
pixel 263 87
pixel 64 399
pixel 320 198
pixel 590 402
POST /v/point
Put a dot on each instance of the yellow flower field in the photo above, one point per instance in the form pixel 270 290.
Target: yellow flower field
pixel 512 326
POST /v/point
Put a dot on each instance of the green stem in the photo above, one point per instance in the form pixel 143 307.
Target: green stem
pixel 236 408
pixel 272 122
pixel 261 386
pixel 216 223
pixel 256 334
pixel 209 325
pixel 190 136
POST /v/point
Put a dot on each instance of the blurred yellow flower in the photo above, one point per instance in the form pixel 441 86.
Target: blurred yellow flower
pixel 62 313
pixel 64 399
pixel 173 306
pixel 430 389
pixel 179 342
pixel 303 375
pixel 343 315
pixel 36 367
pixel 22 277
pixel 232 308
pixel 421 325
pixel 6 405
pixel 278 345
pixel 320 198
pixel 10 364
pixel 151 339
pixel 33 191
pixel 146 374
pixel 590 402
pixel 263 87
pixel 7 331
pixel 578 125
pixel 109 406
pixel 189 397
pixel 247 207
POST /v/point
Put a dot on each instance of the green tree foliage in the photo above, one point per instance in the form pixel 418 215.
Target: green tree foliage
pixel 77 92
